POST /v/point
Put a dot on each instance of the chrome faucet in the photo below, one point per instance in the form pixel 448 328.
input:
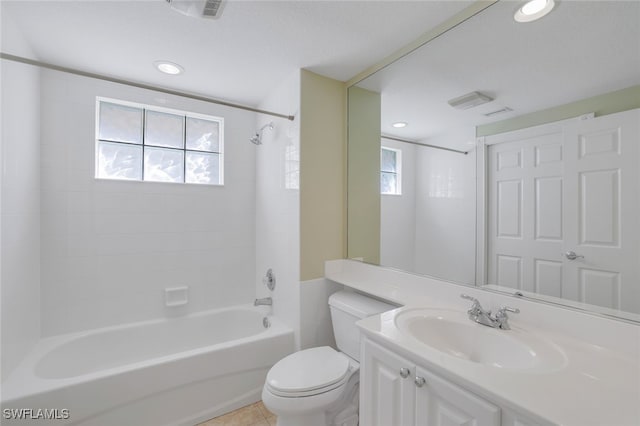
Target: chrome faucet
pixel 264 301
pixel 478 314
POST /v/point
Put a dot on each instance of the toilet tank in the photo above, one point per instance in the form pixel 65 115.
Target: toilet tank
pixel 346 308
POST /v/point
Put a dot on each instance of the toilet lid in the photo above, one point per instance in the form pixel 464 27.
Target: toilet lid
pixel 308 370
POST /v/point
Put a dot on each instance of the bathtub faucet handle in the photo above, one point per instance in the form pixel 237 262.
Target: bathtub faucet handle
pixel 264 301
pixel 269 279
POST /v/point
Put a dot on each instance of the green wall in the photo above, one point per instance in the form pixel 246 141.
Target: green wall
pixel 363 188
pixel 322 172
pixel 609 103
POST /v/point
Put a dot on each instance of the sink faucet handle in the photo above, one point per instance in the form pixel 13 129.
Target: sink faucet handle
pixel 504 309
pixel 466 296
pixel 476 308
pixel 502 319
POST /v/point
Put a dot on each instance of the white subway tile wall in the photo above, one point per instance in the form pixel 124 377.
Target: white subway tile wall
pixel 20 202
pixel 278 208
pixel 109 248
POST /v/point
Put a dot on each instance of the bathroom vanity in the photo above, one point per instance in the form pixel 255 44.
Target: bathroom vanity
pixel 398 391
pixel 427 363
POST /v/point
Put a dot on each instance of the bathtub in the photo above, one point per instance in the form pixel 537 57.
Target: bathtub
pixel 166 372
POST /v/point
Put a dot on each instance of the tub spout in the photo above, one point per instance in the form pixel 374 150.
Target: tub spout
pixel 263 301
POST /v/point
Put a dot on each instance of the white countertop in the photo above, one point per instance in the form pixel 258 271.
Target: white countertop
pixel 593 386
pixel 598 384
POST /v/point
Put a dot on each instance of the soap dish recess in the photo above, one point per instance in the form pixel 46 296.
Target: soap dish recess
pixel 176 296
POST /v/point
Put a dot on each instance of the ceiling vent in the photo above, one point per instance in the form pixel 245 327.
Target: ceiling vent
pixel 470 100
pixel 198 8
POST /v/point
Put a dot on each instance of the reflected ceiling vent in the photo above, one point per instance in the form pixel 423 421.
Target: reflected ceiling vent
pixel 498 111
pixel 198 8
pixel 470 100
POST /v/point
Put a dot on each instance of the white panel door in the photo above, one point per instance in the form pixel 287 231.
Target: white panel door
pixel 575 189
pixel 525 229
pixel 602 211
pixel 387 392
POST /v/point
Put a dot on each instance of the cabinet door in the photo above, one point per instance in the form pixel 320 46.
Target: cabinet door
pixel 510 418
pixel 386 397
pixel 440 403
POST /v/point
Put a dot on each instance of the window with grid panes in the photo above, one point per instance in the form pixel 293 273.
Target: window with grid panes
pixel 144 143
pixel 390 171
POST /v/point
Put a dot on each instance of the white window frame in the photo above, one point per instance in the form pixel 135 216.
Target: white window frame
pixel 398 171
pixel 154 108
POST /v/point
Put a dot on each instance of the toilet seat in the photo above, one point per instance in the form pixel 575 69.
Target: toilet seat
pixel 309 372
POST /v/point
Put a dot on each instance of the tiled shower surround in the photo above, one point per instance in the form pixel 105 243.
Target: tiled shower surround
pixel 110 248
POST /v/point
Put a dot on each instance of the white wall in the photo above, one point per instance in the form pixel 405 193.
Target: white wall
pixel 20 289
pixel 109 248
pixel 398 214
pixel 277 213
pixel 20 204
pixel 445 214
pixel 430 228
pixel 316 327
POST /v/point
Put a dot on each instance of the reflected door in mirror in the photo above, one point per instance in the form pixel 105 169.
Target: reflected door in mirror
pixel 563 211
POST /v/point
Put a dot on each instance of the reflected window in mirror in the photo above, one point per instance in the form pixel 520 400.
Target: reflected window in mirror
pixel 390 171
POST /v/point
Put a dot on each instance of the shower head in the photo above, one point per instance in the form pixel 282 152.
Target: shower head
pixel 257 138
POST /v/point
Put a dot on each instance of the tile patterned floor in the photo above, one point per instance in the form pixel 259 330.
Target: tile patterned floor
pixel 251 415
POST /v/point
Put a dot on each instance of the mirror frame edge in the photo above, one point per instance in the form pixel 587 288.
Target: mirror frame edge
pixel 468 12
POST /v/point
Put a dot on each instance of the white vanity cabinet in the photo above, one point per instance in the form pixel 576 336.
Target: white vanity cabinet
pixel 387 391
pixel 440 402
pixel 396 392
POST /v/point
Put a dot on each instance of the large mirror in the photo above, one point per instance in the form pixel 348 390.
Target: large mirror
pixel 506 155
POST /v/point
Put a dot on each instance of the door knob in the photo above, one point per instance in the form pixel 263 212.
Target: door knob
pixel 404 372
pixel 419 381
pixel 571 255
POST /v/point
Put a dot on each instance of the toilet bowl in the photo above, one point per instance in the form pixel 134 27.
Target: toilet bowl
pixel 320 386
pixel 311 387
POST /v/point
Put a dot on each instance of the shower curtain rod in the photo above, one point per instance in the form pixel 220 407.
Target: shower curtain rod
pixel 422 144
pixel 54 67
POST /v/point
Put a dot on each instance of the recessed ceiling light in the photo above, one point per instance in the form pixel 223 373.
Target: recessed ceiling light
pixel 534 9
pixel 399 124
pixel 168 67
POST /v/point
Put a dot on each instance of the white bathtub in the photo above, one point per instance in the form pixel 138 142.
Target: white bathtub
pixel 167 372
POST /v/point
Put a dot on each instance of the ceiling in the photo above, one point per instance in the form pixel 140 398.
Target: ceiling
pixel 581 49
pixel 240 57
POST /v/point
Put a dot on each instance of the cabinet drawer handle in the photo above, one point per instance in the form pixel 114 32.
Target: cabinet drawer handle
pixel 419 381
pixel 404 372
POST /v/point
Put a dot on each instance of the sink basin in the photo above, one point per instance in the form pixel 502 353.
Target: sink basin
pixel 453 333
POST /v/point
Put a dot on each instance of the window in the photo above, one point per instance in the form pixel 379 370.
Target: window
pixel 291 167
pixel 390 171
pixel 137 142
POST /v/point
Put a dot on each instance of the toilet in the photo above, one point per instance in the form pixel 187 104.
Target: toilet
pixel 320 386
